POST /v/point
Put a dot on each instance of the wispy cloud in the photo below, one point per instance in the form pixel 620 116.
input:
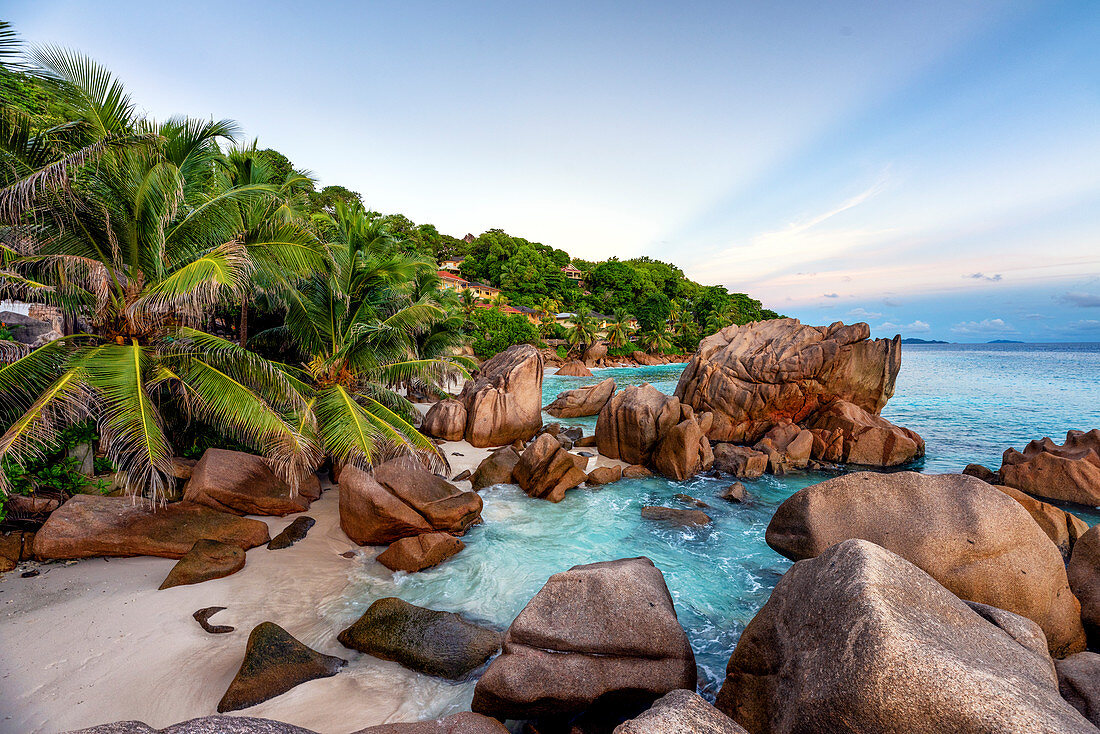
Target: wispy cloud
pixel 831 295
pixel 891 303
pixel 917 327
pixel 1036 317
pixel 983 276
pixel 862 313
pixel 985 327
pixel 1081 300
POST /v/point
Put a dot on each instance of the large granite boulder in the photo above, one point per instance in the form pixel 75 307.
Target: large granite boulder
pixel 1070 472
pixel 767 373
pixel 1079 683
pixel 244 484
pixel 1062 527
pixel 205 725
pixel 683 450
pixel 864 438
pixel 787 447
pixel 740 461
pixel 442 644
pixel 496 468
pixel 464 722
pixel 682 712
pixel 546 470
pixel 604 631
pixel 274 662
pixel 978 542
pixel 860 640
pixel 446 420
pixel 401 499
pixel 574 368
pixel 633 421
pixel 582 401
pixel 418 552
pixel 91 525
pixel 595 352
pixel 504 402
pixel 1083 570
pixel 207 560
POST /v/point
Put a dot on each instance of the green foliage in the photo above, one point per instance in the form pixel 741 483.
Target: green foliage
pixel 325 200
pixel 54 469
pixel 528 272
pixel 5 333
pixel 494 332
pixel 562 351
pixel 653 311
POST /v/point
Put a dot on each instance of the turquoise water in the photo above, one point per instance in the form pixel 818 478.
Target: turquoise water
pixel 969 404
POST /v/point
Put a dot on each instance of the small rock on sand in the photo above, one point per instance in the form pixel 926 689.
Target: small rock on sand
pixel 292 533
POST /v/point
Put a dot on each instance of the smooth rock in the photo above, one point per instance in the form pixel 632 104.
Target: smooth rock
pixel 982 472
pixel 1070 472
pixel 633 421
pixel 859 640
pixel 585 442
pixel 693 501
pixel 602 475
pixel 496 468
pixel 292 533
pixel 675 515
pixel 546 470
pixel 274 662
pixel 595 352
pixel 740 461
pixel 736 492
pixel 90 525
pixel 1079 683
pixel 446 420
pixel 243 484
pixel 462 476
pixel 680 712
pixel 207 560
pixel 504 402
pixel 975 540
pixel 636 471
pixel 683 451
pixel 1063 528
pixel 436 643
pixel 204 725
pixel 583 401
pixel 574 368
pixel 787 447
pixel 603 631
pixel 418 552
pixel 463 722
pixel 1083 570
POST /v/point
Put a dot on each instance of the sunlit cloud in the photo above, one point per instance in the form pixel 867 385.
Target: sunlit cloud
pixel 862 313
pixel 985 327
pixel 917 327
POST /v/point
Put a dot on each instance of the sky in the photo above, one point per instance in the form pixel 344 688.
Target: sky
pixel 932 168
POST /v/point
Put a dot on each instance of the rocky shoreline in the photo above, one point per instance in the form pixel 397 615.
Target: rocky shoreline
pixel 915 602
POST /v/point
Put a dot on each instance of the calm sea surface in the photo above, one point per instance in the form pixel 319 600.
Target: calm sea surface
pixel 970 402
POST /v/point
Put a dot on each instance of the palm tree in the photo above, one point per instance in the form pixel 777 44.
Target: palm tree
pixel 582 330
pixel 139 244
pixel 499 300
pixel 467 304
pixel 618 331
pixel 356 326
pixel 655 341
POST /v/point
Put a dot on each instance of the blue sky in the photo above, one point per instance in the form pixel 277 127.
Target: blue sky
pixel 932 168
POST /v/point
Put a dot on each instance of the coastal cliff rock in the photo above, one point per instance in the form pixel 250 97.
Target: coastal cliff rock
pixel 976 541
pixel 683 712
pixel 274 662
pixel 582 401
pixel 546 470
pixel 759 375
pixel 1070 472
pixel 400 499
pixel 861 636
pixel 504 402
pixel 207 560
pixel 632 422
pixel 436 643
pixel 90 525
pixel 446 420
pixel 574 368
pixel 418 552
pixel 496 468
pixel 598 631
pixel 233 481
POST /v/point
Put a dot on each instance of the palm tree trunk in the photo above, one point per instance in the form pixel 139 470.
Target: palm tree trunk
pixel 242 330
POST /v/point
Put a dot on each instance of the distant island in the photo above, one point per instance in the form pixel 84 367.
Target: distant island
pixel 914 340
pixel 1005 341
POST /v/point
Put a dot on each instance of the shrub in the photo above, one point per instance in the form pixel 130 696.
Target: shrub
pixel 495 332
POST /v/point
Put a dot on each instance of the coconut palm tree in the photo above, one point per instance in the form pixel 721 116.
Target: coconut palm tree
pixel 139 244
pixel 582 330
pixel 618 331
pixel 356 325
pixel 655 341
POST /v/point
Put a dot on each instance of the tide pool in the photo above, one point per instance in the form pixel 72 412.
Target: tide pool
pixel 969 403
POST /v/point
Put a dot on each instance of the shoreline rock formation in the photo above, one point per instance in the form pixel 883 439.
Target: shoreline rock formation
pixel 833 379
pixel 243 484
pixel 504 402
pixel 1069 472
pixel 582 401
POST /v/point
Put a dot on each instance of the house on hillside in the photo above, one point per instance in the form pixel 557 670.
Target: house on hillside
pixel 573 274
pixel 483 290
pixel 531 314
pixel 452 264
pixel 451 281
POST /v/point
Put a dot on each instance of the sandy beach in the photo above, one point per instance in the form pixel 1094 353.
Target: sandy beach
pixel 93 641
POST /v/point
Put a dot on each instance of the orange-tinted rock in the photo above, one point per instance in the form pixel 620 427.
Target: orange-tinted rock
pixel 574 368
pixel 632 422
pixel 636 471
pixel 546 470
pixel 683 451
pixel 1084 576
pixel 418 552
pixel 602 475
pixel 504 402
pixel 233 481
pixel 446 420
pixel 582 401
pixel 1060 526
pixel 1070 472
pixel 93 525
pixel 787 447
pixel 868 439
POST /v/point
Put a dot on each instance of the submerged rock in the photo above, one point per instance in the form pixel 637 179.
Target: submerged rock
pixel 675 515
pixel 496 468
pixel 207 560
pixel 682 712
pixel 420 551
pixel 736 492
pixel 504 402
pixel 446 420
pixel 243 484
pixel 574 368
pixel 693 501
pixel 861 636
pixel 203 616
pixel 464 722
pixel 599 632
pixel 546 470
pixel 90 525
pixel 602 475
pixel 292 533
pixel 583 401
pixel 979 543
pixel 1070 472
pixel 436 643
pixel 274 662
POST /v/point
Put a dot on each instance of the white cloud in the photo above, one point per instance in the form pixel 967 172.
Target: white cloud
pixel 984 327
pixel 917 327
pixel 862 313
pixel 983 276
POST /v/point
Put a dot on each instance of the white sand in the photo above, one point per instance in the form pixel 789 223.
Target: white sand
pixel 94 641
